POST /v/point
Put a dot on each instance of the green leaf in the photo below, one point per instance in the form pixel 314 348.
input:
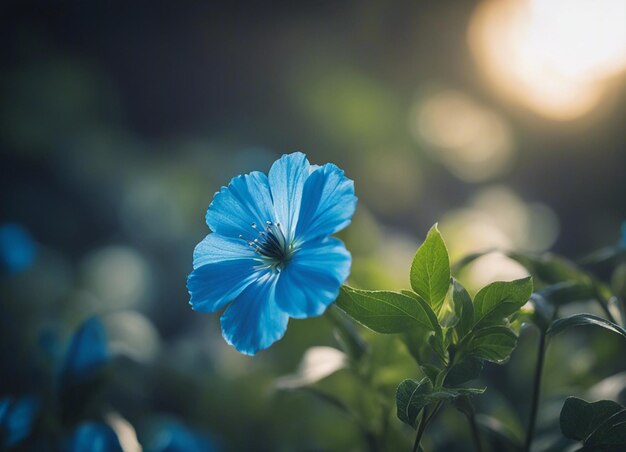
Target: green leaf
pixel 560 325
pixel 611 433
pixel 465 308
pixel 435 341
pixel 411 399
pixel 469 368
pixel 384 311
pixel 499 300
pixel 412 396
pixel 601 423
pixel 494 343
pixel 430 271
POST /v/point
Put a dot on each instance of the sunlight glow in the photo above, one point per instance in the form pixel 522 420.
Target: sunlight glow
pixel 557 57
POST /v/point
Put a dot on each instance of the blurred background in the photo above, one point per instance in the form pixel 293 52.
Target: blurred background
pixel 501 120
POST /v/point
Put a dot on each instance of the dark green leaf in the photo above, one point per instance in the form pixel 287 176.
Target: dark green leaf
pixel 411 398
pixel 601 423
pixel 611 433
pixel 465 308
pixel 500 299
pixel 384 311
pixel 469 368
pixel 550 268
pixel 567 292
pixel 494 343
pixel 560 325
pixel 430 271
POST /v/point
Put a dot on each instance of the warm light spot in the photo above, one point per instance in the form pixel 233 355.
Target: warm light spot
pixel 556 57
pixel 471 140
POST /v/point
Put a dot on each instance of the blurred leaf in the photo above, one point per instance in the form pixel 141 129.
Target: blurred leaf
pixel 549 268
pixel 469 368
pixel 494 343
pixel 618 281
pixel 499 300
pixel 347 336
pixel 596 424
pixel 430 271
pixel 503 435
pixel 468 259
pixel 567 292
pixel 560 325
pixel 465 307
pixel 317 364
pixel 606 254
pixel 385 311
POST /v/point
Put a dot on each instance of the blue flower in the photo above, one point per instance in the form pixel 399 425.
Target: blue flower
pixel 270 252
pixel 16 419
pixel 624 234
pixel 93 437
pixel 17 248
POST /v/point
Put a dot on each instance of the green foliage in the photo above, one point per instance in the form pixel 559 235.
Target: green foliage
pixel 560 325
pixel 449 335
pixel 430 271
pixel 413 396
pixel 385 311
pixel 499 300
pixel 599 425
pixel 493 343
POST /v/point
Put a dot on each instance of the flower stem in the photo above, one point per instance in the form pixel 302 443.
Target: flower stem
pixel 536 387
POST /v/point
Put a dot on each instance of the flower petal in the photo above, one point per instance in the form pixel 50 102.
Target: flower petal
pixel 286 178
pixel 246 200
pixel 216 248
pixel 254 322
pixel 223 267
pixel 328 203
pixel 311 280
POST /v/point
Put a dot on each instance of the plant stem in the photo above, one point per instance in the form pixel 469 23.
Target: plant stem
pixel 471 418
pixel 536 387
pixel 420 430
pixel 426 418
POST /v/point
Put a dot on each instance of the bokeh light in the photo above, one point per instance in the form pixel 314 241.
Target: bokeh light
pixel 557 57
pixel 471 140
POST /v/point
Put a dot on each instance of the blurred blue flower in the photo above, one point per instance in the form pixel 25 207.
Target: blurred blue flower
pixel 93 437
pixel 17 248
pixel 16 419
pixel 624 234
pixel 169 435
pixel 86 354
pixel 270 252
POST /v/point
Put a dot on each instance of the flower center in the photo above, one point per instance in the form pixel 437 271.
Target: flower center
pixel 272 245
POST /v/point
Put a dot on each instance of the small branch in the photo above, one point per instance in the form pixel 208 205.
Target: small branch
pixel 536 389
pixel 420 430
